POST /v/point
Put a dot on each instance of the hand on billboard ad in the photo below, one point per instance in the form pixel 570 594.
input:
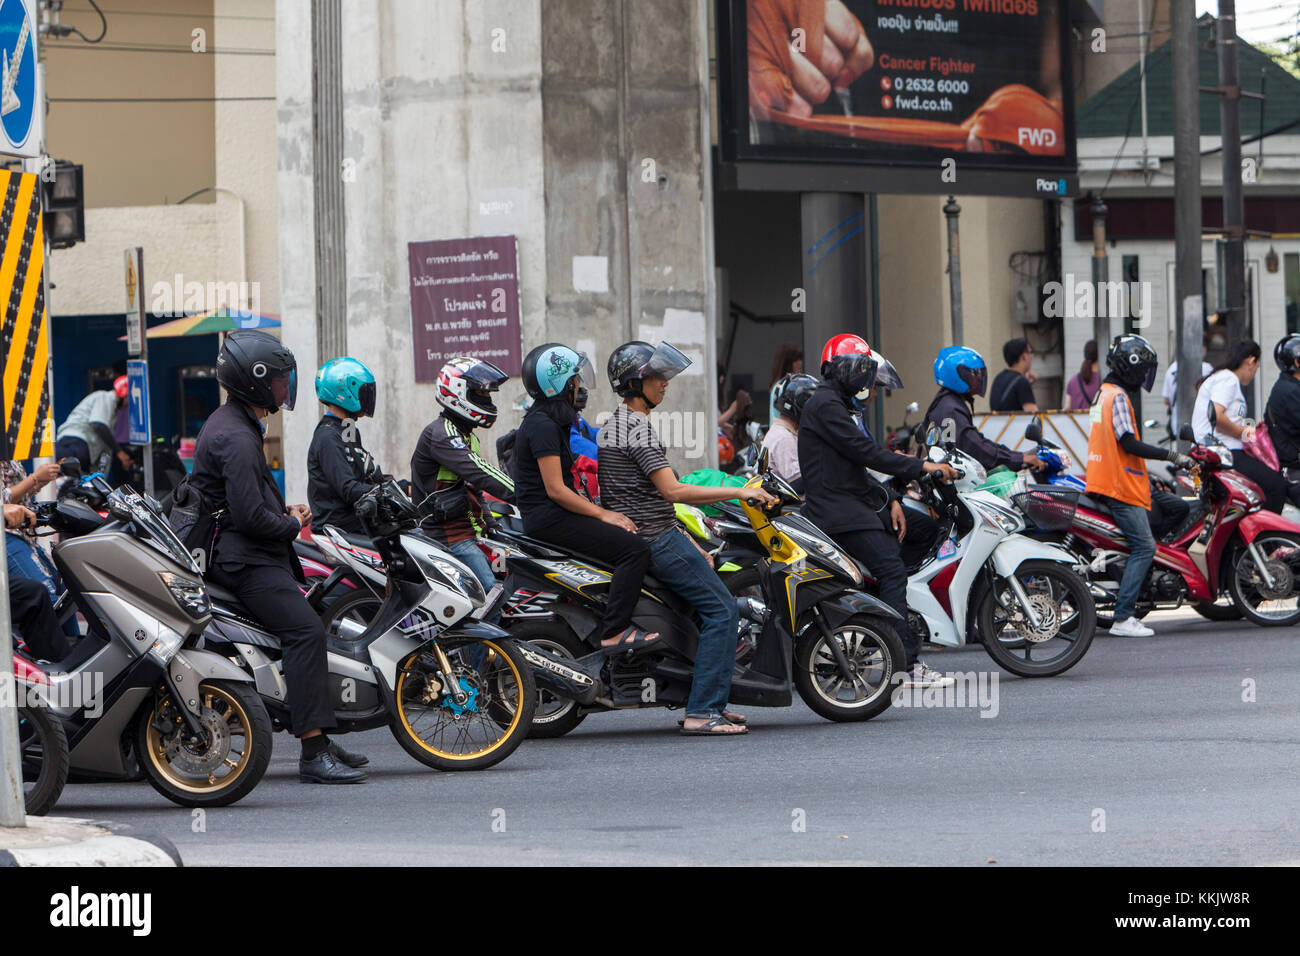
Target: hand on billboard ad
pixel 800 51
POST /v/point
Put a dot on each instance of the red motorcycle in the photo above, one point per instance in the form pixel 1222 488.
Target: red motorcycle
pixel 1227 547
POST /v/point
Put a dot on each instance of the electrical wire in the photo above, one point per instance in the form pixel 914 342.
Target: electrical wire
pixel 162 99
pixel 103 22
pixel 173 13
pixel 152 48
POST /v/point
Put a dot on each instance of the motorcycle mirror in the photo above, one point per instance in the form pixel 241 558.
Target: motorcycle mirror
pixel 1186 434
pixel 937 454
pixel 913 408
pixel 762 461
pixel 1214 415
pixel 1034 432
pixel 932 435
pixel 70 468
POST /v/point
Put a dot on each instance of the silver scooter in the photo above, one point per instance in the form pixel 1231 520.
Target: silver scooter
pixel 138 680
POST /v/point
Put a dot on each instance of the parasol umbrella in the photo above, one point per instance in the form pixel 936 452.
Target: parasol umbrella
pixel 218 320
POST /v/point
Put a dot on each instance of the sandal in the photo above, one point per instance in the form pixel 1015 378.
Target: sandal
pixel 728 716
pixel 710 729
pixel 633 639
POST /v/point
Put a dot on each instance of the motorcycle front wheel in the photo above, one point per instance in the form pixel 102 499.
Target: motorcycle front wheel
pixel 1275 601
pixel 1057 595
pixel 492 719
pixel 875 654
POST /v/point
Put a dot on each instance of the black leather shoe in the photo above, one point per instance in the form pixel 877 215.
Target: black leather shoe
pixel 346 756
pixel 324 768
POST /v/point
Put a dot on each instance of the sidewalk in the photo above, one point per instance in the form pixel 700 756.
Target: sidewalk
pixel 67 841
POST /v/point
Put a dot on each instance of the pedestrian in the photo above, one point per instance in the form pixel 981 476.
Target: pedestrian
pixel 1012 390
pixel 1117 471
pixel 1223 390
pixel 1169 390
pixel 1082 389
pixel 87 433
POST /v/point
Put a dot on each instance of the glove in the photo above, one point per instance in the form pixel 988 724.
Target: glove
pixel 1179 460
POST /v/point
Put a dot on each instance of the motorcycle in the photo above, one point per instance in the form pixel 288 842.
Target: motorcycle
pixel 817 633
pixel 456 693
pixel 1228 547
pixel 900 439
pixel 42 742
pixel 138 679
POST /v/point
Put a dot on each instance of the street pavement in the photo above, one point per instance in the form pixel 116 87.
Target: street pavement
pixel 1182 749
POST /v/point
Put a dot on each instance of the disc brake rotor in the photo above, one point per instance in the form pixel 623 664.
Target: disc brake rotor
pixel 1049 620
pixel 1280 574
pixel 200 757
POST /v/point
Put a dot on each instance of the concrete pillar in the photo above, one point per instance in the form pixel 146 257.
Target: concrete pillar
pixel 835 240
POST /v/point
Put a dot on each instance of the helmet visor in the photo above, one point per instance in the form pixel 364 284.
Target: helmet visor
pixel 1150 378
pixel 887 376
pixel 857 371
pixel 284 389
pixel 665 363
pixel 484 376
pixel 586 379
pixel 976 379
pixel 366 395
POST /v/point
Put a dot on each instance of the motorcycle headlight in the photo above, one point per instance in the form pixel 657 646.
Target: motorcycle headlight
pixel 1008 521
pixel 816 547
pixel 189 594
pixel 462 577
pixel 1225 456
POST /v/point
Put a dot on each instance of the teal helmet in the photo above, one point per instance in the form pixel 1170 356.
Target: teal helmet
pixel 347 383
pixel 548 369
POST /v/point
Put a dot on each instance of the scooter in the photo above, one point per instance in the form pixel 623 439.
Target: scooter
pixel 138 678
pixel 42 742
pixel 1228 546
pixel 818 633
pixel 456 693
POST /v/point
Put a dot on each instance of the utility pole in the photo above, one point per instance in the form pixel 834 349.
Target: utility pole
pixel 951 211
pixel 1100 276
pixel 1187 203
pixel 1234 213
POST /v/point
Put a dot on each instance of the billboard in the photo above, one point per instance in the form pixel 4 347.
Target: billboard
pixel 946 96
pixel 465 301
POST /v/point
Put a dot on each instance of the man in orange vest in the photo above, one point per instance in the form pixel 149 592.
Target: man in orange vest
pixel 1117 470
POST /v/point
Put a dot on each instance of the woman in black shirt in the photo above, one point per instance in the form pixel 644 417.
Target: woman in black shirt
pixel 554 512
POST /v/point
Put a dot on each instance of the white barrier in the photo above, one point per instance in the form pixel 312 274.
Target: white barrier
pixel 1069 430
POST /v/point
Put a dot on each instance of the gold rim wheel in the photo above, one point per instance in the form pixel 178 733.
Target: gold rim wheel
pixel 218 760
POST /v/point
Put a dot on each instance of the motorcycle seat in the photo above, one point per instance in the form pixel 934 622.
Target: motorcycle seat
pixel 1094 504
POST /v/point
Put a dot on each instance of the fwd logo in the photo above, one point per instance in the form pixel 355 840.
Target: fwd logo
pixel 1056 187
pixel 1031 136
pixel 77 909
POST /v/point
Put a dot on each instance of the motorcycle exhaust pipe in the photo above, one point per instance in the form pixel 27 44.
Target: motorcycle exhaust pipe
pixel 560 675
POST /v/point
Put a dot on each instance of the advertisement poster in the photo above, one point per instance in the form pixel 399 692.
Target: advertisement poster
pixel 900 82
pixel 465 301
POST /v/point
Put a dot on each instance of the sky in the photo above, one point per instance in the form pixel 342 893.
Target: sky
pixel 1261 21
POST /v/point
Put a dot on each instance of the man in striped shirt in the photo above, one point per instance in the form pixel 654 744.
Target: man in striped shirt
pixel 637 481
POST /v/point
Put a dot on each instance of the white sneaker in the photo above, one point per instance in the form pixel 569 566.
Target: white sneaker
pixel 923 676
pixel 1131 627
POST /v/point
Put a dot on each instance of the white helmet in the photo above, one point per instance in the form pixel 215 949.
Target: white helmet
pixel 465 387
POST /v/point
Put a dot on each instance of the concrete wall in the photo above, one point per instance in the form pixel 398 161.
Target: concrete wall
pixel 137 153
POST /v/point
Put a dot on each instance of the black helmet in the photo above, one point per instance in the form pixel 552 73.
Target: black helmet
pixel 792 394
pixel 1287 353
pixel 259 369
pixel 1133 361
pixel 632 362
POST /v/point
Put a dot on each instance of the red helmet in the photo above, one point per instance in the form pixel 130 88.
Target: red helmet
pixel 726 450
pixel 120 386
pixel 849 361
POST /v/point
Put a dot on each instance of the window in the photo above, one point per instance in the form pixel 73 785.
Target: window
pixel 1291 279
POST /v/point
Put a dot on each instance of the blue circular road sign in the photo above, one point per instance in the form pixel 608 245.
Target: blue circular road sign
pixel 17 74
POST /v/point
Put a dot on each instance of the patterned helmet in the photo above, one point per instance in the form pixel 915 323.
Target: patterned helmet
pixel 548 368
pixel 465 387
pixel 791 394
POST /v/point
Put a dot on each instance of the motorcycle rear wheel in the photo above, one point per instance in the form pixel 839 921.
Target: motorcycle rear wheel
pixel 874 651
pixel 43 748
pixel 554 717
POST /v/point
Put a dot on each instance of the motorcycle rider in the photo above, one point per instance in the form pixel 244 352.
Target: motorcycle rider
pixel 30 609
pixel 448 470
pixel 87 433
pixel 339 469
pixel 1117 471
pixel 253 555
pixel 781 442
pixel 1283 410
pixel 640 484
pixel 834 454
pixel 553 511
pixel 961 374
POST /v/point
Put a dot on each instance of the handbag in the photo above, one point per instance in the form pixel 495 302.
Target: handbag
pixel 1260 447
pixel 191 518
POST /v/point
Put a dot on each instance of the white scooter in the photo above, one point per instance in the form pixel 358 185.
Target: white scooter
pixel 983 580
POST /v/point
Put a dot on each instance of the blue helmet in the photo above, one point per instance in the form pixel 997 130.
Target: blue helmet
pixel 961 370
pixel 347 383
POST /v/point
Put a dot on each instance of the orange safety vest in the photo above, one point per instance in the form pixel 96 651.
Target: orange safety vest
pixel 1112 471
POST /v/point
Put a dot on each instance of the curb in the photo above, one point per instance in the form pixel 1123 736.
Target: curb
pixel 68 841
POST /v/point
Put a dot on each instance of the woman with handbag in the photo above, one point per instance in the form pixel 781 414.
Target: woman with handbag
pixel 448 470
pixel 1223 391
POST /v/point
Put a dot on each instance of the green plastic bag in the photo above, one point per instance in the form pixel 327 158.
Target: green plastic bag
pixel 713 478
pixel 999 481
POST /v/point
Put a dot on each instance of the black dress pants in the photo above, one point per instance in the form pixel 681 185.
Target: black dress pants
pixel 33 617
pixel 271 594
pixel 628 553
pixel 1272 483
pixel 880 552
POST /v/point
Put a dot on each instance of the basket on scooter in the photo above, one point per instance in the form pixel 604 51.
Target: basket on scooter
pixel 1048 507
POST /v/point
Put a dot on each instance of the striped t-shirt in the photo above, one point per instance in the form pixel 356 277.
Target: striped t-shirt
pixel 630 452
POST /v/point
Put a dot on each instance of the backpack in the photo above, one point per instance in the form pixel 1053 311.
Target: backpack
pixel 192 518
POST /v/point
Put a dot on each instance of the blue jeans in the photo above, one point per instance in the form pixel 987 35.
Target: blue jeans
pixel 1135 523
pixel 20 556
pixel 472 555
pixel 679 564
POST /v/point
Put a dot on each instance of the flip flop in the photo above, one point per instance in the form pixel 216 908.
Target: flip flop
pixel 738 720
pixel 708 731
pixel 633 639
